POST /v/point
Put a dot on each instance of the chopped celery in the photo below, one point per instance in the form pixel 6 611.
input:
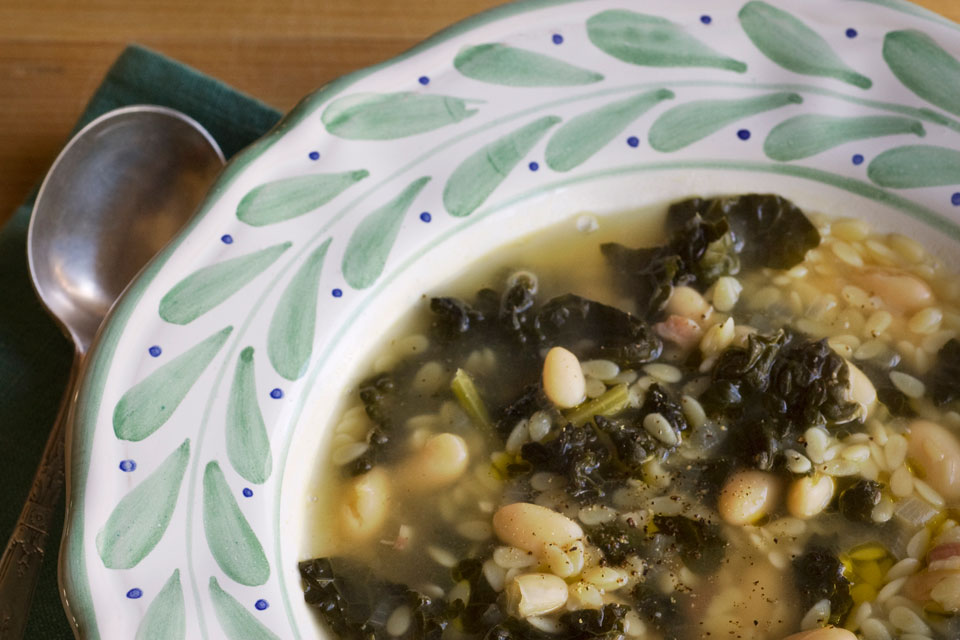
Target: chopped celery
pixel 470 401
pixel 609 404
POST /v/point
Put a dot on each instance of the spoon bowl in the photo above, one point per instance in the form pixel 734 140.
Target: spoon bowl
pixel 114 197
pixel 118 192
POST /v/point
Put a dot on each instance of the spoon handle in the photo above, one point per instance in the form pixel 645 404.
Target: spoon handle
pixel 20 564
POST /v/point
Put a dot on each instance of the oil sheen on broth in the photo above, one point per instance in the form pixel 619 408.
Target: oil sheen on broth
pixel 736 420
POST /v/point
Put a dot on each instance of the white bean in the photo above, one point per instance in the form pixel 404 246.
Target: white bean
pixel 441 460
pixel 747 496
pixel 530 527
pixel 364 507
pixel 937 452
pixel 898 288
pixel 563 380
pixel 810 495
pixel 687 302
pixel 861 390
pixel 535 594
pixel 826 633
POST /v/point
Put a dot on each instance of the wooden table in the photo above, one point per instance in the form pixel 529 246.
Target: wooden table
pixel 53 54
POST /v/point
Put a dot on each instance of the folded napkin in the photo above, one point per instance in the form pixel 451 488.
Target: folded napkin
pixel 34 355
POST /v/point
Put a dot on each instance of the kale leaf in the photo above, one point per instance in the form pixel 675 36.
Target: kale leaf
pixel 818 575
pixel 660 610
pixel 699 544
pixel 945 376
pixel 856 502
pixel 379 397
pixel 606 622
pixel 617 540
pixel 578 454
pixel 355 604
pixel 482 610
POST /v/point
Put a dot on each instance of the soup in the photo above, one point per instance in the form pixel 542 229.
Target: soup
pixel 748 430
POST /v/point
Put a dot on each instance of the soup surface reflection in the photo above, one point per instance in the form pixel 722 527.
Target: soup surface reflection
pixel 735 420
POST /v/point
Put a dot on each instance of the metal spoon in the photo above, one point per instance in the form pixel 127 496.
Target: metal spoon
pixel 120 189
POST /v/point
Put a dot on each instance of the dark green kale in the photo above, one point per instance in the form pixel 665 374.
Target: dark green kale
pixel 379 397
pixel 770 230
pixel 944 379
pixel 482 611
pixel 662 611
pixel 617 540
pixel 579 455
pixel 710 238
pixel 895 400
pixel 632 444
pixel 355 604
pixel 856 502
pixel 773 390
pixel 818 575
pixel 618 336
pixel 698 543
pixel 658 400
pixel 606 622
pixel 516 629
pixel 530 400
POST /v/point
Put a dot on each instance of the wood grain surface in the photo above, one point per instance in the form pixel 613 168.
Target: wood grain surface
pixel 53 54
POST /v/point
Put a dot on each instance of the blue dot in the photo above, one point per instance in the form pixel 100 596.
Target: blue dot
pixel 857 159
pixel 276 394
pixel 851 33
pixel 261 604
pixel 557 38
pixel 226 238
pixel 247 492
pixel 743 134
pixel 633 141
pixel 127 465
pixel 314 155
pixel 426 217
pixel 337 293
pixel 955 199
pixel 155 351
pixel 534 166
pixel 424 80
pixel 706 19
pixel 134 593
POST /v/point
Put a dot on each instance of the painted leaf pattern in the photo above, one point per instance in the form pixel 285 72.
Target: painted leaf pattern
pixel 370 244
pixel 924 67
pixel 232 542
pixel 237 623
pixel 513 67
pixel 579 139
pixel 793 45
pixel 139 521
pixel 292 197
pixel 687 123
pixel 809 134
pixel 916 166
pixel 290 337
pixel 205 288
pixel 482 172
pixel 149 404
pixel 248 446
pixel 166 618
pixel 386 116
pixel 653 41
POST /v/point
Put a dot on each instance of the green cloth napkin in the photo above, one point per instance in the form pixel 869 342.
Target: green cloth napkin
pixel 34 355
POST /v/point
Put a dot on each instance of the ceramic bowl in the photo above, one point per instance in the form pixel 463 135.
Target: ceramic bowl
pixel 206 400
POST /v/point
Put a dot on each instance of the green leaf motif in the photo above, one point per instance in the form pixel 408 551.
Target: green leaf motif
pixel 292 197
pixel 148 405
pixel 235 620
pixel 653 41
pixel 924 67
pixel 809 134
pixel 513 67
pixel 232 542
pixel 370 244
pixel 916 166
pixel 687 123
pixel 290 337
pixel 141 518
pixel 248 447
pixel 166 618
pixel 482 172
pixel 793 45
pixel 579 139
pixel 206 288
pixel 387 116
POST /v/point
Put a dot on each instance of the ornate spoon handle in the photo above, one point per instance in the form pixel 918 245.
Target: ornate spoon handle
pixel 20 564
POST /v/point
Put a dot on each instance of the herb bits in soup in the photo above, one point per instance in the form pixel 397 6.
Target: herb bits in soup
pixel 747 431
